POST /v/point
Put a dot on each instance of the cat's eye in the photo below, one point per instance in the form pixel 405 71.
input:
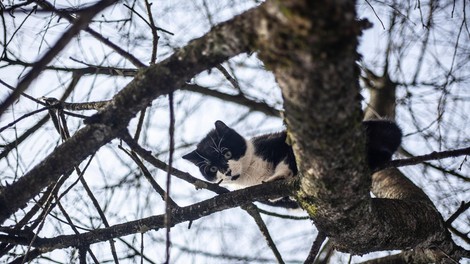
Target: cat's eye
pixel 228 155
pixel 213 169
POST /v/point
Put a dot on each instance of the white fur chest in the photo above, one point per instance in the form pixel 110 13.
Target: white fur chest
pixel 253 170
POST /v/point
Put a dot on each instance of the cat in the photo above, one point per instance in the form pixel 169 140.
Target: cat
pixel 225 156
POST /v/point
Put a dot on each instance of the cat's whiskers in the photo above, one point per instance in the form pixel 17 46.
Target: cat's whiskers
pixel 215 145
pixel 220 141
pixel 202 157
pixel 216 149
pixel 201 162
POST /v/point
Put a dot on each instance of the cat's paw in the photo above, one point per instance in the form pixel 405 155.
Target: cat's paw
pixel 275 178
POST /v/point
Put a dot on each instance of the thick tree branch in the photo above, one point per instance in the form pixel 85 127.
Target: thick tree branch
pixel 311 47
pixel 319 82
pixel 178 215
pixel 221 43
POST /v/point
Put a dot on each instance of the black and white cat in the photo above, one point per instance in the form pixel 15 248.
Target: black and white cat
pixel 224 155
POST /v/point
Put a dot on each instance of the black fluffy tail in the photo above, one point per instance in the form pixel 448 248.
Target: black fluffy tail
pixel 383 137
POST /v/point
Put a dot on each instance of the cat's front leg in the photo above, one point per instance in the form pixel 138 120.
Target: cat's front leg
pixel 281 172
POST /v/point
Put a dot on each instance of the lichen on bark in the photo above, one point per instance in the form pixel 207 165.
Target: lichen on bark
pixel 311 46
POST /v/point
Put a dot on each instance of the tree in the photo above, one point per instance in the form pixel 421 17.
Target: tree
pixel 82 188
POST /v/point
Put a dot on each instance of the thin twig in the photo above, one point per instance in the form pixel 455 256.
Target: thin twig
pixel 238 99
pixel 141 253
pixel 47 209
pixel 168 177
pixel 376 15
pixel 60 44
pixel 147 155
pixel 75 230
pixel 461 235
pixel 155 36
pixel 23 94
pixel 229 77
pixel 252 210
pixel 90 69
pixel 22 117
pixel 12 145
pixel 431 156
pixel 65 134
pixel 315 247
pixel 142 248
pixel 48 6
pixel 16 31
pixel 283 216
pixel 148 176
pixel 101 213
pixel 139 125
pixel 149 24
pixel 463 207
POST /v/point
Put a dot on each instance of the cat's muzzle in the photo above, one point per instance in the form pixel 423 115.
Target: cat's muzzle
pixel 228 173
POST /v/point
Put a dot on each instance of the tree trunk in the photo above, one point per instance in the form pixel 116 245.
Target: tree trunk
pixel 312 48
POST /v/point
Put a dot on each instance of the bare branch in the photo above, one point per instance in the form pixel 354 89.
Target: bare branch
pixel 149 177
pixel 178 215
pixel 463 207
pixel 48 6
pixel 150 83
pixel 238 99
pixel 321 237
pixel 147 155
pixel 78 25
pixel 431 156
pixel 253 211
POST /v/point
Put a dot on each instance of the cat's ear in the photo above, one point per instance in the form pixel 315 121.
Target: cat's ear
pixel 193 157
pixel 221 127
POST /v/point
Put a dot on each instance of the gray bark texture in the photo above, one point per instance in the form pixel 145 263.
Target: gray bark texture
pixel 311 46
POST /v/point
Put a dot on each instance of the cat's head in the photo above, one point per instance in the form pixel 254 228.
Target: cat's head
pixel 213 153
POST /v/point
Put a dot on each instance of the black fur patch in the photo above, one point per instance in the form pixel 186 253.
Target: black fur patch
pixel 383 137
pixel 210 152
pixel 274 149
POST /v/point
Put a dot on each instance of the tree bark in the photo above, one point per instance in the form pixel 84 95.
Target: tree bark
pixel 195 211
pixel 311 46
pixel 217 46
